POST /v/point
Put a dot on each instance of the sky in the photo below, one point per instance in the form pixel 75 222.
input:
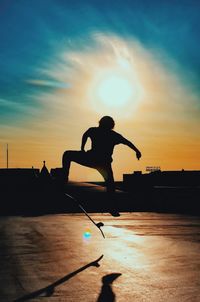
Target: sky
pixel 65 64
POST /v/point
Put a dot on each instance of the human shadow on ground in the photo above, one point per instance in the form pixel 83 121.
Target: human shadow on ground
pixel 49 290
pixel 107 294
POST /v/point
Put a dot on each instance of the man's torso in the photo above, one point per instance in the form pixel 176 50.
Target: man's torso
pixel 103 142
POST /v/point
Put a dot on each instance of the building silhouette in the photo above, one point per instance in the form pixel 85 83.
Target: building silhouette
pixel 31 190
pixel 182 178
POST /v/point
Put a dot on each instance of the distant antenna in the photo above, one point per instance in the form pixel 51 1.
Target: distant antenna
pixel 7 156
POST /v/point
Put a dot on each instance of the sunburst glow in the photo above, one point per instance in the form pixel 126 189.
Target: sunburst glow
pixel 115 86
pixel 113 76
pixel 114 90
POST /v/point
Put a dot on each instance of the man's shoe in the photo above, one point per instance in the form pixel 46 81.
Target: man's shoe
pixel 114 213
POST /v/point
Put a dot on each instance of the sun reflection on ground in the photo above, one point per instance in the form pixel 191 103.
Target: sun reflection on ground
pixel 128 251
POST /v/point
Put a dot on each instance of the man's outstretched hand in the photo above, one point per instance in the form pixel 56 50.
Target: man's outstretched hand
pixel 138 154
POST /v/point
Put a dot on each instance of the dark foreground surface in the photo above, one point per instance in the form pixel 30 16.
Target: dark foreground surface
pixel 144 257
pixel 48 197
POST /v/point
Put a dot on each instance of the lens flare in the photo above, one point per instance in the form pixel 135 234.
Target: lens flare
pixel 87 235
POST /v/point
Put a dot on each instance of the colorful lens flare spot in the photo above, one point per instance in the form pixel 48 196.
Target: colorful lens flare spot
pixel 87 235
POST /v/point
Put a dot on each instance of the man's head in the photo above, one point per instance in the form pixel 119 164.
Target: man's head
pixel 107 123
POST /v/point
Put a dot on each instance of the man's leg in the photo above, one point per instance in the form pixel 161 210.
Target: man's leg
pixel 107 173
pixel 83 158
pixel 79 157
pixel 66 162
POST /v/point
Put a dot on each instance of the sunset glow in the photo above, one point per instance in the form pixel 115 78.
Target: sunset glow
pixel 115 89
pixel 64 82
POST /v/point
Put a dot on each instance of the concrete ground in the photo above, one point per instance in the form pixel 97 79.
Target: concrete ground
pixel 144 257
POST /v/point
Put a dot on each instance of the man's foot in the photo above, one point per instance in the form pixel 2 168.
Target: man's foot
pixel 114 212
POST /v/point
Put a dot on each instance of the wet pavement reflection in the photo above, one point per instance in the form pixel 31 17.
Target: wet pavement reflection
pixel 144 257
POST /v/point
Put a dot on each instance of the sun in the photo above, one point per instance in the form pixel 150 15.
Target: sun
pixel 114 90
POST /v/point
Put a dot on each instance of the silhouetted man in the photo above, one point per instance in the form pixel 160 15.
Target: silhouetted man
pixel 103 140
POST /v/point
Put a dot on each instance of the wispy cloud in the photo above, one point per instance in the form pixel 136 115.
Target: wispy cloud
pixel 47 83
pixel 18 106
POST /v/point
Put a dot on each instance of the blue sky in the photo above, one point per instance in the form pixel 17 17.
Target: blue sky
pixel 33 34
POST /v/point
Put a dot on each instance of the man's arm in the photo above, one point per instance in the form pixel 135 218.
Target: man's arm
pixel 130 145
pixel 84 140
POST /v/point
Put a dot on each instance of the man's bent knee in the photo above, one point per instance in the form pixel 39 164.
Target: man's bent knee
pixel 66 157
pixel 66 154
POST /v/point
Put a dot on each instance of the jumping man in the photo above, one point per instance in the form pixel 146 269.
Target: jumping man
pixel 103 139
